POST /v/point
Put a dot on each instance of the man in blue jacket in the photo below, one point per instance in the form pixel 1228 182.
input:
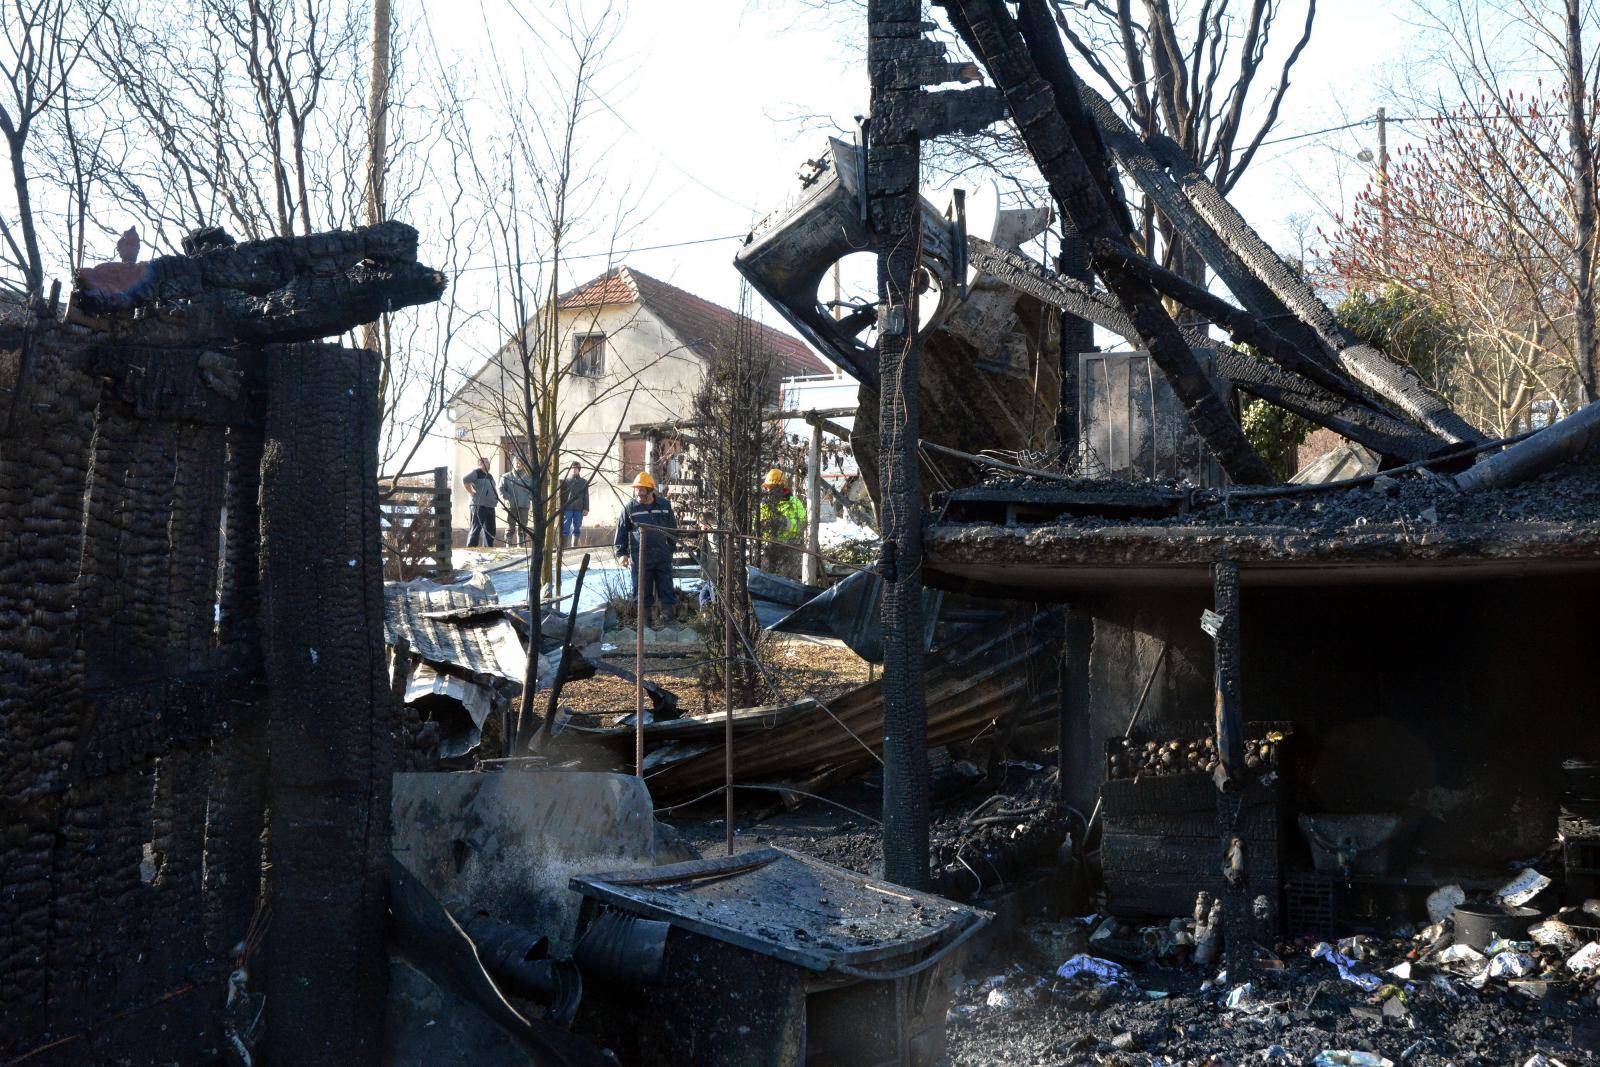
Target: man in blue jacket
pixel 652 560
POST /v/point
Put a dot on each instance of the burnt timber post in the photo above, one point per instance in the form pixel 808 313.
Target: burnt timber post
pixel 1076 336
pixel 331 724
pixel 1073 708
pixel 894 153
pixel 1222 624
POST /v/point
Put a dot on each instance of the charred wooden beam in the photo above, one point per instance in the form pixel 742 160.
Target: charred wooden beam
pixel 1136 161
pixel 894 205
pixel 220 386
pixel 1395 382
pixel 950 111
pixel 1384 433
pixel 1222 624
pixel 1076 336
pixel 331 720
pixel 1556 443
pixel 1243 327
pixel 1255 274
pixel 1057 132
pixel 279 289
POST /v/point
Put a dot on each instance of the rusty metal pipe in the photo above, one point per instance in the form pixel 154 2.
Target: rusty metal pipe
pixel 1531 457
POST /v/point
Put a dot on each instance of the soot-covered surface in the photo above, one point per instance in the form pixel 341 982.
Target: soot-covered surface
pixel 1403 528
pixel 1294 1015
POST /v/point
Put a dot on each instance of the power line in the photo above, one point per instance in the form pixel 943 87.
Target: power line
pixel 620 251
pixel 1372 120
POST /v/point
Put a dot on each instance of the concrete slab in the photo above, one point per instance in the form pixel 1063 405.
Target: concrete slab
pixel 509 842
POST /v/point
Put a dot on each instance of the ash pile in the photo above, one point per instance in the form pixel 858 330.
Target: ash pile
pixel 1482 985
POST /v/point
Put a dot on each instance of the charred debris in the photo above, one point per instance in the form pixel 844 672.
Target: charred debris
pixel 1173 764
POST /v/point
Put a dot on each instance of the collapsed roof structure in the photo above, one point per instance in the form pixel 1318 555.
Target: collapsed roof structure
pixel 1193 610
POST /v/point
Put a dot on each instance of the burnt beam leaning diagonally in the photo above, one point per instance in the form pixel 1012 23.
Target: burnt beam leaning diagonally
pixel 1057 134
pixel 1266 285
pixel 1383 432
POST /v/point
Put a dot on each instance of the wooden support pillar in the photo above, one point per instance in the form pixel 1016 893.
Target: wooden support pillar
pixel 1222 624
pixel 331 715
pixel 1073 713
pixel 894 153
pixel 1077 337
pixel 811 565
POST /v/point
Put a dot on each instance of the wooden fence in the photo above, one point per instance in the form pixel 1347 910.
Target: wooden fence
pixel 414 509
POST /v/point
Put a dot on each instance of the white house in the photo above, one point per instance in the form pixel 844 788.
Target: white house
pixel 637 348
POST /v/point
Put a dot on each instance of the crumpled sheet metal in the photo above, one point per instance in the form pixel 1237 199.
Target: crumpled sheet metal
pixel 1005 672
pixel 475 701
pixel 851 611
pixel 455 626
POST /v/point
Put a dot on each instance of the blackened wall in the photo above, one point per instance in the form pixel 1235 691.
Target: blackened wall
pixel 1453 702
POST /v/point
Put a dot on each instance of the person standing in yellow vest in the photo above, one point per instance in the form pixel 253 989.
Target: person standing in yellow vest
pixel 783 519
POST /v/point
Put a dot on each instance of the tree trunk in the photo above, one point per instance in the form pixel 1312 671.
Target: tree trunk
pixel 1583 165
pixel 16 140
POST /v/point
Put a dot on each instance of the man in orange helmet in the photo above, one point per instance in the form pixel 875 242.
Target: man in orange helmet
pixel 651 559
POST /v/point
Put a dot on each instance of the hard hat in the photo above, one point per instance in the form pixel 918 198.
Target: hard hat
pixel 774 477
pixel 644 481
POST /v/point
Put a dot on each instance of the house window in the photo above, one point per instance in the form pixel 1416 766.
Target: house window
pixel 509 450
pixel 589 355
pixel 633 452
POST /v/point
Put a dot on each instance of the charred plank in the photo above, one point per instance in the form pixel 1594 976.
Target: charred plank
pixel 1057 134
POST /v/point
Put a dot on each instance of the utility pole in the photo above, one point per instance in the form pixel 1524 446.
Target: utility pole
pixel 1383 180
pixel 377 133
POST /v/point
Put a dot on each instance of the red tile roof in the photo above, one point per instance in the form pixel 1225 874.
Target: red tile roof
pixel 697 322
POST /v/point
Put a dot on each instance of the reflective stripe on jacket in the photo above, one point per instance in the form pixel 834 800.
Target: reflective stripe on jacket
pixel 659 549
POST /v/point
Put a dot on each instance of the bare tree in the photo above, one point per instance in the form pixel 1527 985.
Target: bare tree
pixel 1204 75
pixel 43 42
pixel 1498 56
pixel 545 192
pixel 1477 219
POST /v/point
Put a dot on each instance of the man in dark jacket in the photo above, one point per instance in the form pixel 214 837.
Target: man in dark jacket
pixel 651 559
pixel 574 505
pixel 483 498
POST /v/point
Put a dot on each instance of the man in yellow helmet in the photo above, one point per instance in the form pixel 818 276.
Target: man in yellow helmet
pixel 783 519
pixel 651 559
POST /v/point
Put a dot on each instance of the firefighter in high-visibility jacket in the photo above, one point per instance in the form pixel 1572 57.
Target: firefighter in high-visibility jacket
pixel 783 520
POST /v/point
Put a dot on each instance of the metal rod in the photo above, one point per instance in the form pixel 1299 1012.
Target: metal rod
pixel 811 564
pixel 547 727
pixel 892 158
pixel 638 652
pixel 727 690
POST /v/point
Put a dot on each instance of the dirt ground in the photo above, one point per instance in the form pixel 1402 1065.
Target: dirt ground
pixel 799 667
